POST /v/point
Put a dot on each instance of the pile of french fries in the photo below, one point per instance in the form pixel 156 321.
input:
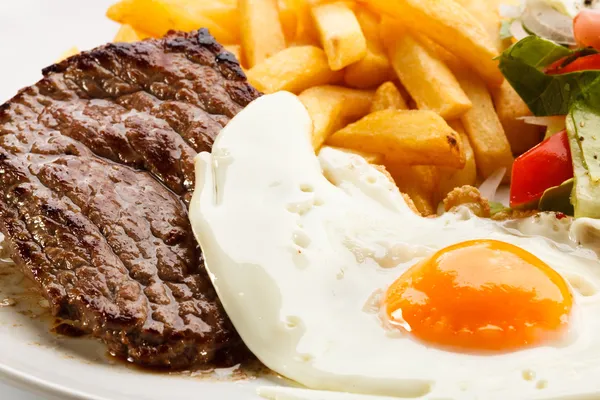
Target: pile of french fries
pixel 411 85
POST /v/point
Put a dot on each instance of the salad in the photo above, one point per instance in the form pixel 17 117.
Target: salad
pixel 555 69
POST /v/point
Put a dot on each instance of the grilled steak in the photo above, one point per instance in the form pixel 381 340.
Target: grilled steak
pixel 96 169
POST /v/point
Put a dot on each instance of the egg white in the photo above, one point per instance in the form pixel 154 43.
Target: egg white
pixel 298 246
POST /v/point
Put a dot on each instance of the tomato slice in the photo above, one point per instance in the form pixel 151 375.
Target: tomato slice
pixel 546 165
pixel 584 63
pixel 586 27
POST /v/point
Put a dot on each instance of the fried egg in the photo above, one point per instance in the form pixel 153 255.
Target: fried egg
pixel 334 282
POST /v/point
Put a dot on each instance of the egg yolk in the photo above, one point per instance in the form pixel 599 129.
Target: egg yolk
pixel 481 295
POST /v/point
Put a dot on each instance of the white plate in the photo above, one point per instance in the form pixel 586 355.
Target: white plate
pixel 34 358
pixel 34 33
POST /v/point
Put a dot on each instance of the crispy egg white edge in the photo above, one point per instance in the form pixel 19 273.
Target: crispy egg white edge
pixel 258 192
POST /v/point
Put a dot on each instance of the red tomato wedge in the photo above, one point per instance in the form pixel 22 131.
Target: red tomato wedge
pixel 585 63
pixel 586 27
pixel 546 165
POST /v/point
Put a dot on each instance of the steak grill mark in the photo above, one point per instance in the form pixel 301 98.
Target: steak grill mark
pixel 96 170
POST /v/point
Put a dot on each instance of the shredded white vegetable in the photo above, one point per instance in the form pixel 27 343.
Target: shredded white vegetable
pixel 489 187
pixel 543 121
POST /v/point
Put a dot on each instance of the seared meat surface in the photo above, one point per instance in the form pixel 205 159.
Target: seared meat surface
pixel 96 169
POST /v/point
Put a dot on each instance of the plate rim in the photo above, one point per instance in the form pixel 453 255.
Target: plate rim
pixel 34 384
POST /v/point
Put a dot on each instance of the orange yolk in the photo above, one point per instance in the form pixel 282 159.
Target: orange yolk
pixel 481 295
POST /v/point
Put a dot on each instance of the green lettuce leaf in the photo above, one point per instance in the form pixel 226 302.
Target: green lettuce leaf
pixel 545 95
pixel 496 207
pixel 586 191
pixel 586 127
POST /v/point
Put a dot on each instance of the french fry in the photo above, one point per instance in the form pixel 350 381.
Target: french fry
pixel 306 30
pixel 340 33
pixel 409 201
pixel 157 17
pixel 420 200
pixel 490 145
pixel 427 177
pixel 262 34
pixel 412 137
pixel 293 69
pixel 488 13
pixel 453 27
pixel 330 107
pixel 69 53
pixel 288 16
pixel 374 68
pixel 371 158
pixel 297 22
pixel 510 107
pixel 369 24
pixel 451 61
pixel 388 97
pixel 369 72
pixel 419 182
pixel 428 80
pixel 318 2
pixel 451 178
pixel 127 34
pixel 384 171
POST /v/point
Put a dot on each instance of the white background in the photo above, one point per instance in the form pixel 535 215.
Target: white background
pixel 33 34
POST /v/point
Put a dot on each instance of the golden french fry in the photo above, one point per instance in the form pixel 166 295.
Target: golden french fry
pixel 451 178
pixel 428 80
pixel 262 34
pixel 451 61
pixel 127 34
pixel 453 27
pixel 223 12
pixel 371 158
pixel 419 182
pixel 157 17
pixel 384 171
pixel 388 97
pixel 340 33
pixel 297 22
pixel 374 68
pixel 488 13
pixel 289 19
pixel 426 177
pixel 510 107
pixel 490 145
pixel 330 107
pixel 411 204
pixel 325 117
pixel 142 35
pixel 421 200
pixel 306 30
pixel 369 72
pixel 69 53
pixel 234 49
pixel 369 24
pixel 412 137
pixel 293 69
